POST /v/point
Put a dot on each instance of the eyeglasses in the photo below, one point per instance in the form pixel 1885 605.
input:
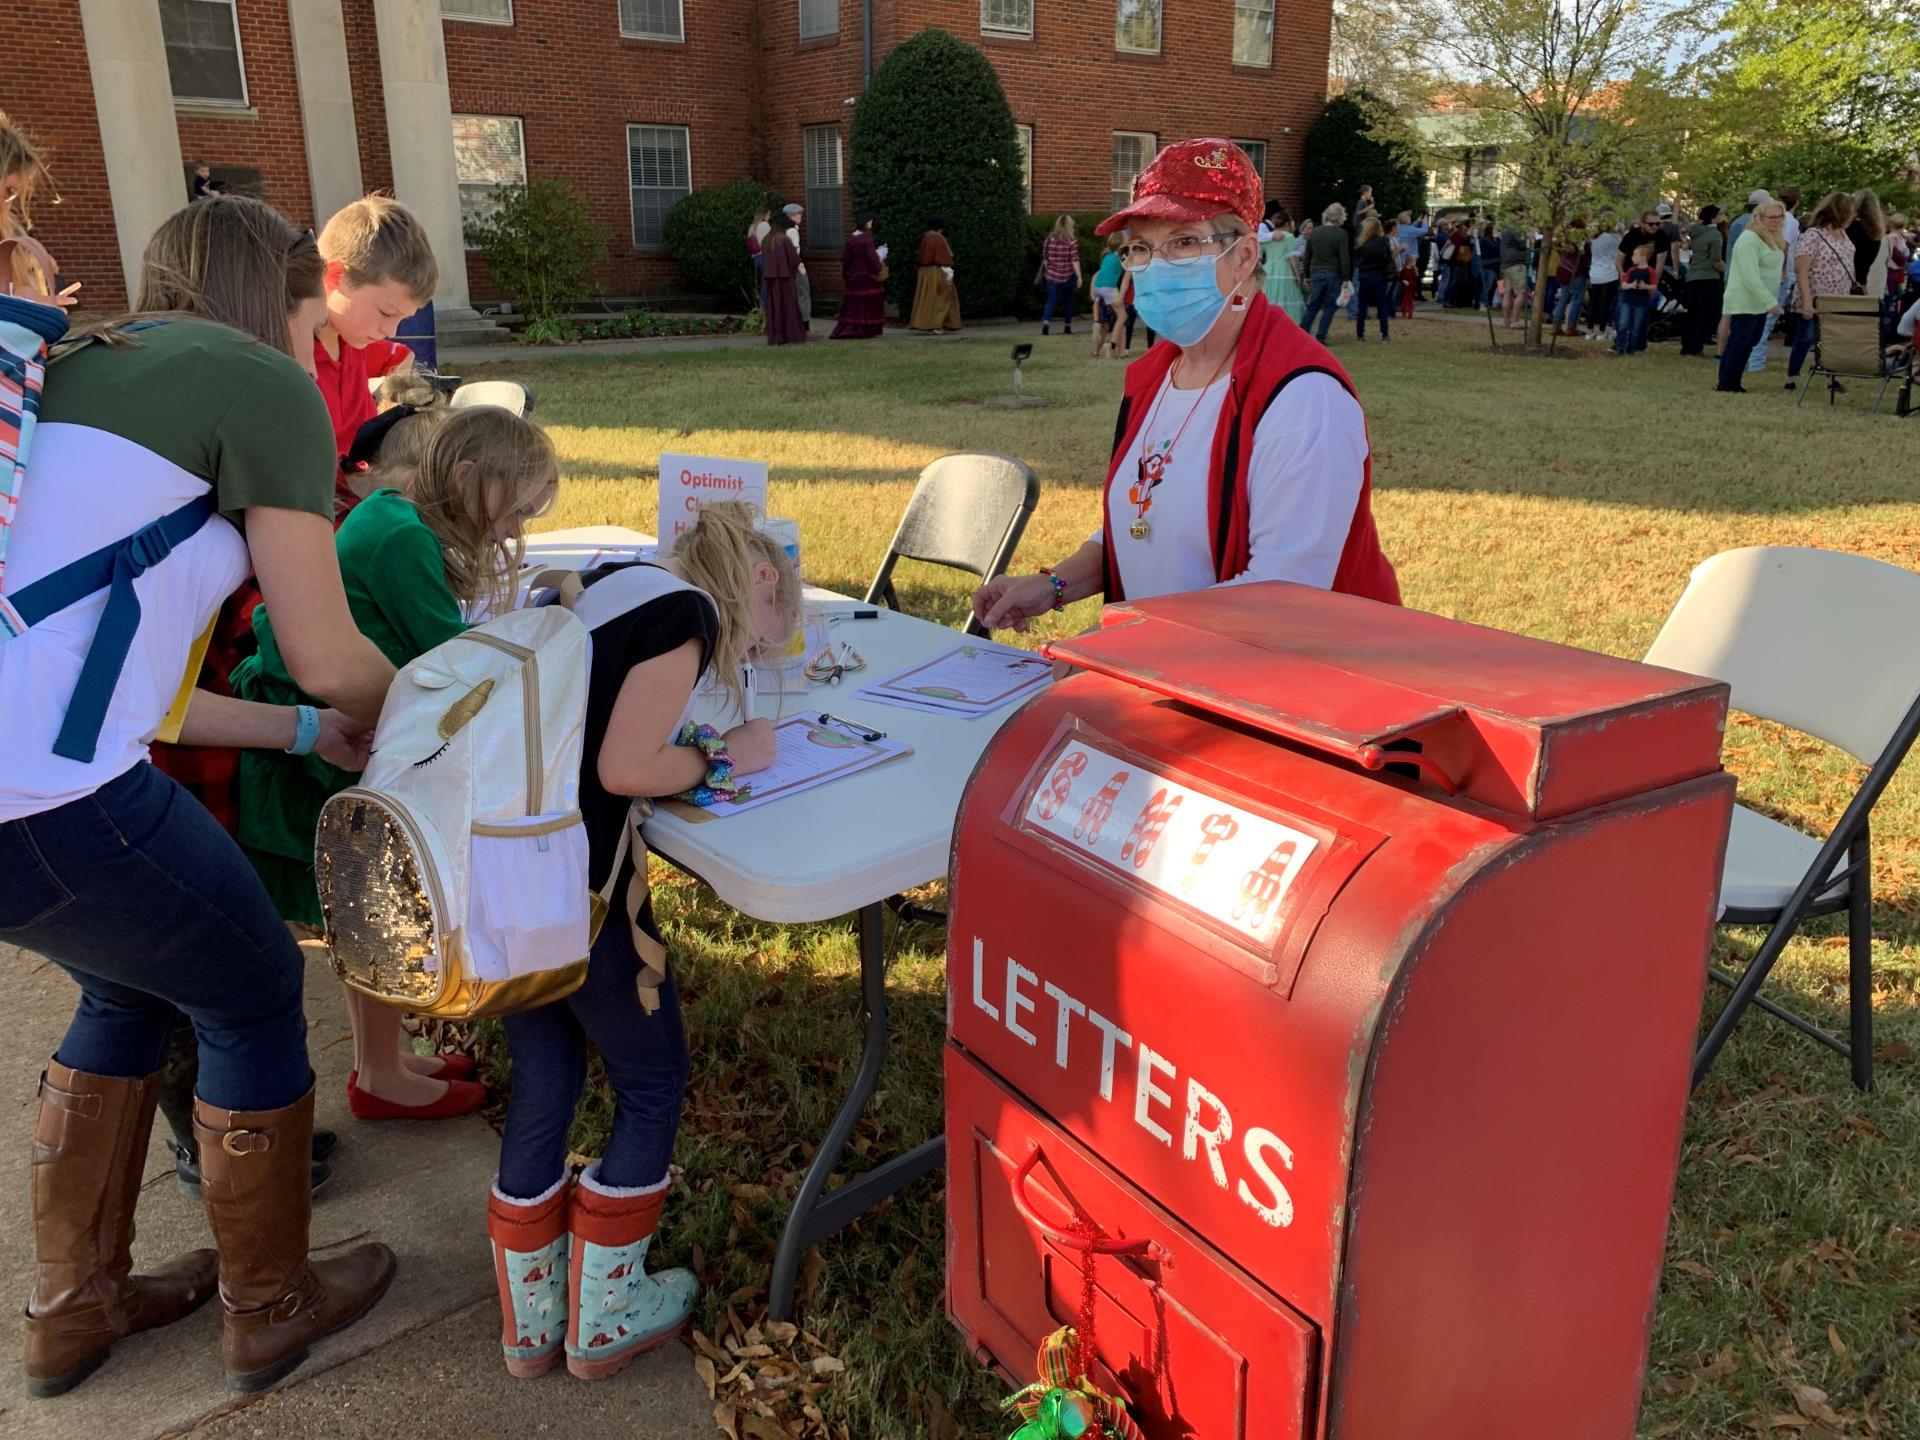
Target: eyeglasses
pixel 1180 250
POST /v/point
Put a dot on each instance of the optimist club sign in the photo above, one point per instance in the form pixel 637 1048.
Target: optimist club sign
pixel 1229 864
pixel 689 481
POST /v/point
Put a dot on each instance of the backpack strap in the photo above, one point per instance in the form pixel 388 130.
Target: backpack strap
pixel 653 955
pixel 112 568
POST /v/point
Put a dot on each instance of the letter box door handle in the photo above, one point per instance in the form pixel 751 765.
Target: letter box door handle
pixel 1097 1243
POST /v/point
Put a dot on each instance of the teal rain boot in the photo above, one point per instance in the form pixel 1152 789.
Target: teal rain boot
pixel 619 1311
pixel 530 1265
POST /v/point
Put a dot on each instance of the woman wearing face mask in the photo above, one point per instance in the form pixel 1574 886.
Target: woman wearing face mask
pixel 1242 451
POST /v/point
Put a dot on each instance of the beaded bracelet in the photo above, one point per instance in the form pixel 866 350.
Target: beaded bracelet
pixel 1059 588
pixel 719 788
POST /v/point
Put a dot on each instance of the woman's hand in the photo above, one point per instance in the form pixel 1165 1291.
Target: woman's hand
pixel 1010 601
pixel 752 746
pixel 344 742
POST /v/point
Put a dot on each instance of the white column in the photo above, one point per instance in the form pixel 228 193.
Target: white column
pixel 413 73
pixel 139 137
pixel 326 105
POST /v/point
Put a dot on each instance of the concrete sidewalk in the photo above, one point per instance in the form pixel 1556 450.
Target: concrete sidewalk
pixel 424 1365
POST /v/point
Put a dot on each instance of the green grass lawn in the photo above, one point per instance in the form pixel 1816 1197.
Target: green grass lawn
pixel 1562 498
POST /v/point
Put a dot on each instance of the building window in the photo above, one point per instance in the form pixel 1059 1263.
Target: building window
pixel 823 229
pixel 1006 17
pixel 661 172
pixel 818 18
pixel 1023 137
pixel 1253 32
pixel 1256 152
pixel 652 19
pixel 1137 27
pixel 1132 149
pixel 489 154
pixel 486 12
pixel 203 51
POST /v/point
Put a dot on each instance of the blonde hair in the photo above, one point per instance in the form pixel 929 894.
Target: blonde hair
pixel 719 554
pixel 410 387
pixel 377 240
pixel 1777 239
pixel 1369 228
pixel 1835 213
pixel 20 156
pixel 1065 226
pixel 481 466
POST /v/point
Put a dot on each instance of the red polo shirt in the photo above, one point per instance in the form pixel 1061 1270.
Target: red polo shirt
pixel 343 383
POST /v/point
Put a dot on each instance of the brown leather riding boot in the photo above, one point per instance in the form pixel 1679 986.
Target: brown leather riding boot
pixel 89 1157
pixel 254 1173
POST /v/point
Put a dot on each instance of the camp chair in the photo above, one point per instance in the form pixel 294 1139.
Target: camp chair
pixel 1830 645
pixel 507 394
pixel 1848 344
pixel 968 511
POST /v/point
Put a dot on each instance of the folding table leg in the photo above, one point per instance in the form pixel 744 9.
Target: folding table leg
pixel 812 1218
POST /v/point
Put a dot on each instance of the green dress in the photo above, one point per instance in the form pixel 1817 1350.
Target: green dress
pixel 1282 288
pixel 396 582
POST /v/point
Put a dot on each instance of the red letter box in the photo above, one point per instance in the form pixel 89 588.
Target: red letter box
pixel 1342 964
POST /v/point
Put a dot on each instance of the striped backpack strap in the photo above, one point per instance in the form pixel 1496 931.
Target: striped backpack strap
pixel 27 331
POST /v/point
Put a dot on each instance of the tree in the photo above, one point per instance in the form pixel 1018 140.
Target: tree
pixel 706 234
pixel 1359 140
pixel 933 138
pixel 542 247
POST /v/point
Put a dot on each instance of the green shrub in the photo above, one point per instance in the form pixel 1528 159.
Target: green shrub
pixel 1032 297
pixel 706 235
pixel 933 136
pixel 1353 144
pixel 542 247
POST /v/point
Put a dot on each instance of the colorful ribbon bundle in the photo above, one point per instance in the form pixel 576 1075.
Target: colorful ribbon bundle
pixel 1064 1404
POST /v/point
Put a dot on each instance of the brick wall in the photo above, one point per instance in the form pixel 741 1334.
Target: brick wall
pixel 576 84
pixel 268 134
pixel 49 92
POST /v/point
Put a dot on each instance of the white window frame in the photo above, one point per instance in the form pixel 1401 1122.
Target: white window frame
pixel 477 19
pixel 1148 150
pixel 1159 29
pixel 1273 24
pixel 1261 145
pixel 461 186
pixel 633 125
pixel 837 235
pixel 805 34
pixel 1025 132
pixel 989 28
pixel 240 58
pixel 679 39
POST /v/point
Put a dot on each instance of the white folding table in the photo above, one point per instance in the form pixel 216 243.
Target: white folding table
pixel 845 848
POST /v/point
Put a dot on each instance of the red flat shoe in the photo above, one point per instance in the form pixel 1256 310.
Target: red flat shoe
pixel 463 1097
pixel 453 1066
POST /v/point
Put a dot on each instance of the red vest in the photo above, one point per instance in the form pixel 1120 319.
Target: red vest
pixel 1272 352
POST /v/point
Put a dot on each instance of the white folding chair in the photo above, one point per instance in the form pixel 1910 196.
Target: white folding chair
pixel 1828 644
pixel 507 394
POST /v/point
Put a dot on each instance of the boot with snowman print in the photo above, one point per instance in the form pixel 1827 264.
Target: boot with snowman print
pixel 619 1311
pixel 530 1245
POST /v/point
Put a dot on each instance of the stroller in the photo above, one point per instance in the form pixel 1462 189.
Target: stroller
pixel 1669 310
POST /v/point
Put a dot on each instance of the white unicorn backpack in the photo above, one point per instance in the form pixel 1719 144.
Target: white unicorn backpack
pixel 453 877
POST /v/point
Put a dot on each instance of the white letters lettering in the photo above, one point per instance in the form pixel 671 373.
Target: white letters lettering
pixel 1065 1008
pixel 1144 1090
pixel 1194 1136
pixel 1109 1033
pixel 979 991
pixel 1016 1002
pixel 1280 1212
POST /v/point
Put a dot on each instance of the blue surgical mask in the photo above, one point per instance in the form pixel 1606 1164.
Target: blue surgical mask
pixel 1181 302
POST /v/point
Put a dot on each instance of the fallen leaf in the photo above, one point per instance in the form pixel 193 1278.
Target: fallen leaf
pixel 709 1376
pixel 1839 1345
pixel 728 1419
pixel 1789 1422
pixel 782 1332
pixel 1813 1404
pixel 1721 1366
pixel 826 1365
pixel 1692 1267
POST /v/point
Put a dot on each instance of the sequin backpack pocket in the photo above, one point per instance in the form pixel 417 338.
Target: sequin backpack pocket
pixel 453 877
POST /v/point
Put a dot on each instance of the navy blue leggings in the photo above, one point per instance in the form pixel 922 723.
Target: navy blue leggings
pixel 646 1062
pixel 138 894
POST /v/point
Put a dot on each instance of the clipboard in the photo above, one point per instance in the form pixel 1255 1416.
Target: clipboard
pixel 846 736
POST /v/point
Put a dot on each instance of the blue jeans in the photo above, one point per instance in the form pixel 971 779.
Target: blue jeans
pixel 1805 332
pixel 138 894
pixel 1061 293
pixel 1489 282
pixel 1632 333
pixel 1566 308
pixel 646 1062
pixel 1370 293
pixel 1743 333
pixel 1758 360
pixel 1323 298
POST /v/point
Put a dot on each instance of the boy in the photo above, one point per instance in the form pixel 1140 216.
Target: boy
pixel 1637 284
pixel 379 270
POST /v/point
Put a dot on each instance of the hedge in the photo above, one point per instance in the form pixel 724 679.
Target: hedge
pixel 706 236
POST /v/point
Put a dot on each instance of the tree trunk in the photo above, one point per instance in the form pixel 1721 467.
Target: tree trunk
pixel 1542 258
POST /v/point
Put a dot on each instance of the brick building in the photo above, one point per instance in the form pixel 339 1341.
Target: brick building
pixel 634 102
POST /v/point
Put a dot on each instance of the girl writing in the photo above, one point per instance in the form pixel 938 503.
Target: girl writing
pixel 411 559
pixel 570 1257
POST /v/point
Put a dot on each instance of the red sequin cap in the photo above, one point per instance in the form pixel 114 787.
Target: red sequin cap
pixel 1194 180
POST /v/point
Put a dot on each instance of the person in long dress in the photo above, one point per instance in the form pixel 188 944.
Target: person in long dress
pixel 780 264
pixel 1277 251
pixel 863 264
pixel 936 303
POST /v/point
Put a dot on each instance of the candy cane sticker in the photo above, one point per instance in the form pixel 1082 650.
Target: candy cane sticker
pixel 1060 784
pixel 1149 826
